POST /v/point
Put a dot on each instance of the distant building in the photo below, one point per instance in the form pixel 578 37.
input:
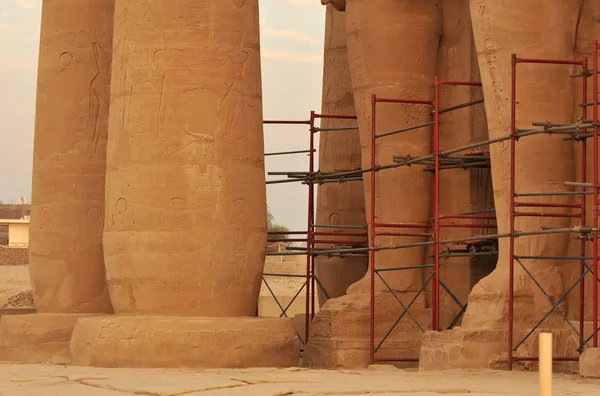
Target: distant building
pixel 20 229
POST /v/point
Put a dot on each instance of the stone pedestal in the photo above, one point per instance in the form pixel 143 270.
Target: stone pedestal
pixel 589 363
pixel 340 333
pixel 487 349
pixel 36 338
pixel 170 342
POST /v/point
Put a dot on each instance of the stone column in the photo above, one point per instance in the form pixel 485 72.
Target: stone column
pixel 67 213
pixel 339 204
pixel 185 195
pixel 66 263
pixel 186 214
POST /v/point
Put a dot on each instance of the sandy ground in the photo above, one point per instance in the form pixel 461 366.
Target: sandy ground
pixel 15 286
pixel 37 380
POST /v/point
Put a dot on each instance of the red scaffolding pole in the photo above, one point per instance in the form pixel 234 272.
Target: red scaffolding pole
pixel 595 213
pixel 578 133
pixel 430 229
pixel 435 162
pixel 309 179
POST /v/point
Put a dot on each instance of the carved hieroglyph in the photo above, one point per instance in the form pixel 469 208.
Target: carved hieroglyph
pixel 338 204
pixel 185 230
pixel 66 261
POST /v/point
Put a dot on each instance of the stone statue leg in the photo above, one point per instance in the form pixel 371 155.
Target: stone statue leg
pixel 544 163
pixel 461 190
pixel 338 204
pixel 588 30
pixel 404 69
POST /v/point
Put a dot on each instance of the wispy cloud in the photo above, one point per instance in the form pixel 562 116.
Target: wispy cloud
pixel 290 56
pixel 291 34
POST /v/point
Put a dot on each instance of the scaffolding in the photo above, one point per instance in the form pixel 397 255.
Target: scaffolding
pixel 313 236
pixel 427 232
pixel 435 162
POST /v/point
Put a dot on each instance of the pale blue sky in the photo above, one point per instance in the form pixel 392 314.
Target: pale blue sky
pixel 292 48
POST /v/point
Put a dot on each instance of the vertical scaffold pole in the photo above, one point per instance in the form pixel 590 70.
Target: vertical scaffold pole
pixel 583 200
pixel 436 205
pixel 511 258
pixel 310 223
pixel 372 231
pixel 595 196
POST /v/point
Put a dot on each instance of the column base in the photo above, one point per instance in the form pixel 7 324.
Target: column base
pixel 36 338
pixel 487 349
pixel 340 333
pixel 184 342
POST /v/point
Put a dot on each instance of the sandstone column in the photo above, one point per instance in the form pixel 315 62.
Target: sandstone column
pixel 338 204
pixel 185 230
pixel 544 162
pixel 66 260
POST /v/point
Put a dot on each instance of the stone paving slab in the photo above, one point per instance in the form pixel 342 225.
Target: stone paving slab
pixel 45 380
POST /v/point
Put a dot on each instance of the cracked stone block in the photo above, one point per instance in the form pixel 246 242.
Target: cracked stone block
pixel 339 334
pixel 177 342
pixel 589 363
pixel 36 338
pixel 487 349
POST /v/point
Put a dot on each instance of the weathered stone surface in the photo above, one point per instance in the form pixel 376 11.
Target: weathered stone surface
pixel 185 196
pixel 487 349
pixel 36 338
pixel 589 363
pixel 67 212
pixel 406 71
pixel 550 97
pixel 339 204
pixel 339 334
pixel 145 341
pixel 16 311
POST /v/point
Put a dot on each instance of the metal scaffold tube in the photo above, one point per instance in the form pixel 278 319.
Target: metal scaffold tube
pixel 577 131
pixel 428 233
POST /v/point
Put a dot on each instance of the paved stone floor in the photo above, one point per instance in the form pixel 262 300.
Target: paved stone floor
pixel 40 380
